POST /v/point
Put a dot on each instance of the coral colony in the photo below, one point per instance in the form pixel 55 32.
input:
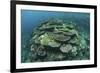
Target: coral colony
pixel 54 40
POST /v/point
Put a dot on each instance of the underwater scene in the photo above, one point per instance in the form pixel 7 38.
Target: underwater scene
pixel 54 36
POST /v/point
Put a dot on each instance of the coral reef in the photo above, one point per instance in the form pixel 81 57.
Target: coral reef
pixel 55 40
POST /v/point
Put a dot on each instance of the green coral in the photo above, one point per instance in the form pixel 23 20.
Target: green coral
pixel 55 40
pixel 66 48
pixel 52 43
pixel 44 39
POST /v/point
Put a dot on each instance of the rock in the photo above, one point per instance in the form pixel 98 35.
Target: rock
pixel 32 48
pixel 66 48
pixel 68 33
pixel 46 27
pixel 61 38
pixel 74 50
pixel 53 44
pixel 83 43
pixel 74 41
pixel 41 52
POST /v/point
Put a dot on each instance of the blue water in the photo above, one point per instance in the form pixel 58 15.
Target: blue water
pixel 32 18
